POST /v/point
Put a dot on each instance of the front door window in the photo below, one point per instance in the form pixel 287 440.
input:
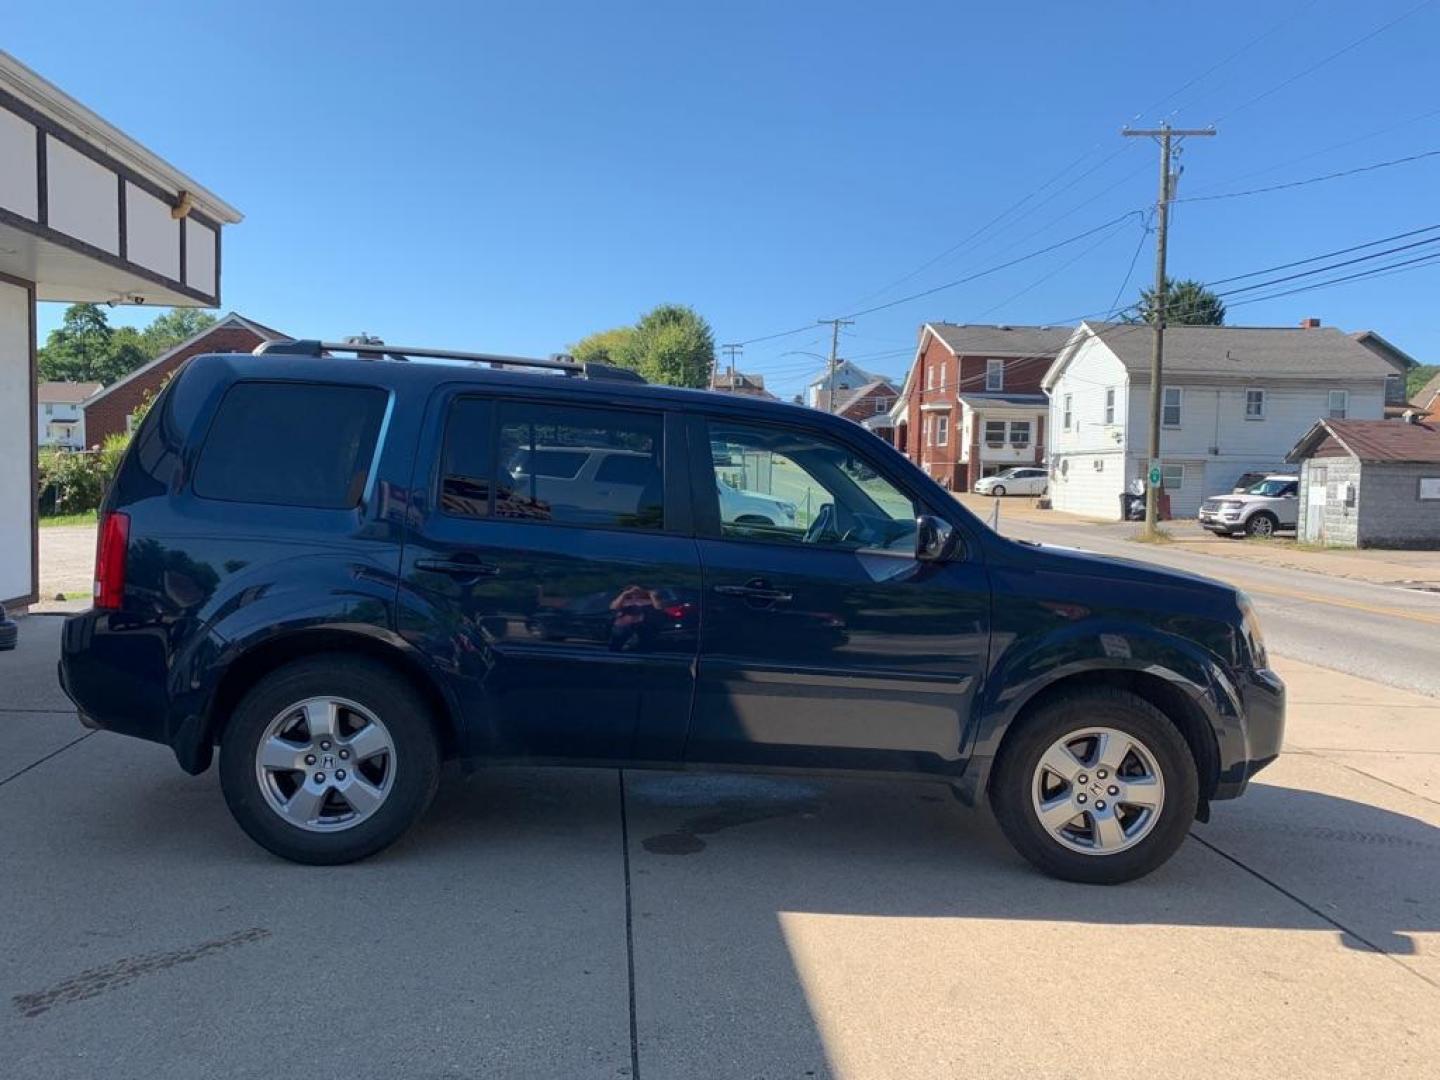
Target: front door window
pixel 797 488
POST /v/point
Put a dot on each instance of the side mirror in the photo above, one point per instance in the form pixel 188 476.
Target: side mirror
pixel 934 538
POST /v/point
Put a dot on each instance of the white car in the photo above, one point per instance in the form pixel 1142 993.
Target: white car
pixel 609 481
pixel 1024 480
pixel 753 508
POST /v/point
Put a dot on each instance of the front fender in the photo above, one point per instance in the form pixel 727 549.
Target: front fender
pixel 1030 666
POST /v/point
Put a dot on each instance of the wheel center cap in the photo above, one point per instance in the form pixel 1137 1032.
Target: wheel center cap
pixel 1097 789
pixel 327 761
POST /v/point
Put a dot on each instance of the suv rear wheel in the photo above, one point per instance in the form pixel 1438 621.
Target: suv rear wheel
pixel 328 760
pixel 1096 786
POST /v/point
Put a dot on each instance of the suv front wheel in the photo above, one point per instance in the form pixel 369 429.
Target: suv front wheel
pixel 328 760
pixel 1096 786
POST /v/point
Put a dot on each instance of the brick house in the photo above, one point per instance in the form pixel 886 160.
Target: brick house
pixel 870 405
pixel 738 382
pixel 972 403
pixel 108 411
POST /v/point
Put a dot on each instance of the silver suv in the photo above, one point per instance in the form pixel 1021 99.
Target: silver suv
pixel 1259 510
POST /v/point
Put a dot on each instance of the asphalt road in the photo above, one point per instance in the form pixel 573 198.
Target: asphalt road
pixel 1380 632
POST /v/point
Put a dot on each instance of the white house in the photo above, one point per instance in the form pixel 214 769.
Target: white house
pixel 1236 399
pixel 848 376
pixel 60 414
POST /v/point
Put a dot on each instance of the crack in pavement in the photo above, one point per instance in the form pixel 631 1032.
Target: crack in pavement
pixel 41 761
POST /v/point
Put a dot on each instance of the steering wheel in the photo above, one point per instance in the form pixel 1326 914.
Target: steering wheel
pixel 824 523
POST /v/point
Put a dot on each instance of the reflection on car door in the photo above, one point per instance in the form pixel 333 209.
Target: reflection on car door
pixel 566 623
pixel 821 650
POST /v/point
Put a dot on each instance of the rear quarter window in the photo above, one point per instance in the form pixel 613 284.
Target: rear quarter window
pixel 291 444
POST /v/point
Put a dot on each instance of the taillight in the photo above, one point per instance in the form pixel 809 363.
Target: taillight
pixel 110 560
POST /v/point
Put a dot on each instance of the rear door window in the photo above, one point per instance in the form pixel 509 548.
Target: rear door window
pixel 553 463
pixel 291 444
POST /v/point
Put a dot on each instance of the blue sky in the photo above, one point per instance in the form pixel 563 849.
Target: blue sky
pixel 511 177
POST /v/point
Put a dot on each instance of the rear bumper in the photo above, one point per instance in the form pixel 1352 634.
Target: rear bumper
pixel 1263 698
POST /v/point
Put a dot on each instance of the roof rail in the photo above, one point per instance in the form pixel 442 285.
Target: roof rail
pixel 374 348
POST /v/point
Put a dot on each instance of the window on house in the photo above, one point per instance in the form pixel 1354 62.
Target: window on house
pixel 942 430
pixel 49 410
pixel 1170 407
pixel 994 374
pixel 1020 433
pixel 1110 405
pixel 930 377
pixel 1339 404
pixel 1172 477
pixel 995 433
pixel 1254 404
pixel 1067 411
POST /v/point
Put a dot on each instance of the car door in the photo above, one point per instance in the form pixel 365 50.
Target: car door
pixel 1287 506
pixel 825 642
pixel 566 624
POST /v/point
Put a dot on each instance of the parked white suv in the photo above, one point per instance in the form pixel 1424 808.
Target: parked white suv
pixel 1260 510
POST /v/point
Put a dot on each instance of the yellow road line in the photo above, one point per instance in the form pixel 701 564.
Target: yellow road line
pixel 1354 605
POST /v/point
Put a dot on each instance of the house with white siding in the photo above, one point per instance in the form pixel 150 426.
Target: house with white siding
pixel 1236 399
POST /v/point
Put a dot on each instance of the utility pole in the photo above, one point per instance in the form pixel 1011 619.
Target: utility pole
pixel 1166 134
pixel 730 351
pixel 835 325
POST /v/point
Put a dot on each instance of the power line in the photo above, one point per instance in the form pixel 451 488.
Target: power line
pixel 1325 60
pixel 1144 232
pixel 1314 179
pixel 993 269
pixel 1332 266
pixel 1327 255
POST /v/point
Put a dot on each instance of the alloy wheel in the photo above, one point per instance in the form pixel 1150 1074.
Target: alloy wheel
pixel 1098 791
pixel 325 764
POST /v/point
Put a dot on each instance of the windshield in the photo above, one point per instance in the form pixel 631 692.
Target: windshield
pixel 1270 487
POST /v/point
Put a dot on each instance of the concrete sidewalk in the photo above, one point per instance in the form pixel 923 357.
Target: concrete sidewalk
pixel 576 923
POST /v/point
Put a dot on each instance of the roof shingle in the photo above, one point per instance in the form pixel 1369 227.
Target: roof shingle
pixel 1001 340
pixel 1375 440
pixel 1260 351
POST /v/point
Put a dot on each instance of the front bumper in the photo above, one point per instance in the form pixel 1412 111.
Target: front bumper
pixel 1262 696
pixel 1216 521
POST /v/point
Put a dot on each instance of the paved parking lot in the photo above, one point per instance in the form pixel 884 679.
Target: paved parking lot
pixel 576 923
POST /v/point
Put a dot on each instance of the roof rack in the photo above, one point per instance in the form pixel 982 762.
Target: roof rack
pixel 373 348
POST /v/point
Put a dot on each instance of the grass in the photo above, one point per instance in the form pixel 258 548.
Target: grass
pixel 88 517
pixel 1161 535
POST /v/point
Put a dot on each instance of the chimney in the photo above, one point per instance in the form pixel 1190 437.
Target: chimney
pixel 1311 323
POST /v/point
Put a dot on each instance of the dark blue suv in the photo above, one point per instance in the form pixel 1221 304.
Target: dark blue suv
pixel 343 571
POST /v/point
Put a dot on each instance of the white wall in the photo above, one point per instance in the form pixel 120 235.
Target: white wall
pixel 152 236
pixel 84 201
pixel 1088 464
pixel 200 257
pixel 18 192
pixel 17 450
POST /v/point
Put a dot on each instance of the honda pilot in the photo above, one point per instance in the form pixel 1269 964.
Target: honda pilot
pixel 342 571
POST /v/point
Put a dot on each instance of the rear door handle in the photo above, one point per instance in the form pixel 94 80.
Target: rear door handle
pixel 459 567
pixel 757 591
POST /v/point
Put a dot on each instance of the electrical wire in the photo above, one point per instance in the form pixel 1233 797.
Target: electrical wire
pixel 1312 180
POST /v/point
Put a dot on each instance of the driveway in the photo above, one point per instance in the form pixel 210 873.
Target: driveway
pixel 584 923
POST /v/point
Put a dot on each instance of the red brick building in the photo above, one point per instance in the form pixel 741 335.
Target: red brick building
pixel 869 406
pixel 972 403
pixel 109 411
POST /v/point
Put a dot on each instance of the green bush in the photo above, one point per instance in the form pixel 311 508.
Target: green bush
pixel 71 481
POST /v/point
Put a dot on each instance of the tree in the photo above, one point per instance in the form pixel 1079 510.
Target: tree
pixel 615 346
pixel 173 327
pixel 85 348
pixel 1187 303
pixel 671 344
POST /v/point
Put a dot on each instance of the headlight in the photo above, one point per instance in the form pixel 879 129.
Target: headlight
pixel 1250 626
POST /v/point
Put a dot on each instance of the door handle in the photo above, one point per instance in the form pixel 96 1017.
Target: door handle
pixel 459 567
pixel 757 591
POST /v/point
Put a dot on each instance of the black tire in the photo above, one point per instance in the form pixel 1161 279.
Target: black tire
pixel 998 491
pixel 367 683
pixel 1262 523
pixel 1014 773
